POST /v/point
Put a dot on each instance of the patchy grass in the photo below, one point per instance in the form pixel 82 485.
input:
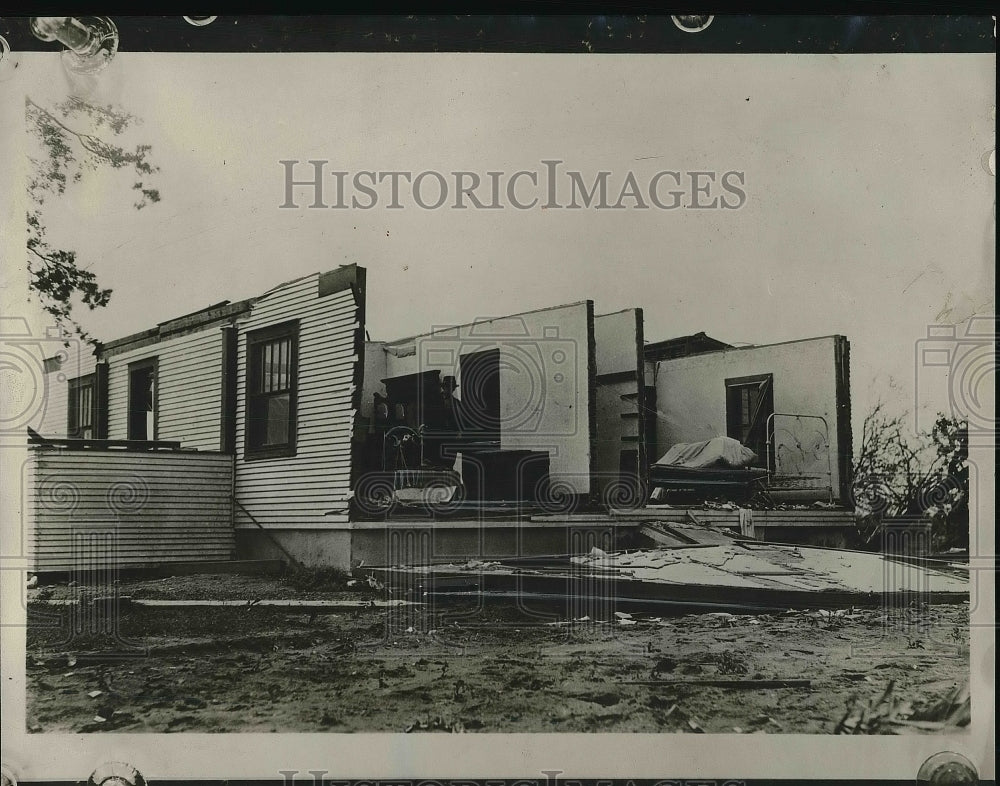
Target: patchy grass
pixel 319 579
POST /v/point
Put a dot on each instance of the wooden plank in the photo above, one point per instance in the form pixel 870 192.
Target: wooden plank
pixel 724 683
pixel 276 603
pixel 104 459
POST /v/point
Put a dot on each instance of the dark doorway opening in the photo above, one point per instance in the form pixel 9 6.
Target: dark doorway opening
pixel 142 401
pixel 479 388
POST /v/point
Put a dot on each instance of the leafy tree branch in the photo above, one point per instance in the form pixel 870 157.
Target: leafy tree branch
pixel 924 475
pixel 56 277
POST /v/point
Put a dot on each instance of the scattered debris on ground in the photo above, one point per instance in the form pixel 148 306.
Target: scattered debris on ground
pixel 691 567
pixel 301 584
pixel 894 714
pixel 496 668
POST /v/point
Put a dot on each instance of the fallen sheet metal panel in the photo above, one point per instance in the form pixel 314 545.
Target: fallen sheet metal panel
pixel 708 573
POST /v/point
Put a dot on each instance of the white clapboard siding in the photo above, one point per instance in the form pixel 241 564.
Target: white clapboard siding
pixel 311 489
pixel 127 509
pixel 189 388
pixel 74 361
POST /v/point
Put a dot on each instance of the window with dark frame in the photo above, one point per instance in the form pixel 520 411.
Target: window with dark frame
pixel 749 405
pixel 81 407
pixel 271 391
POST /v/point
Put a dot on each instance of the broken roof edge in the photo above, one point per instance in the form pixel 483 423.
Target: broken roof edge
pixel 203 317
pixel 731 348
pixel 619 311
pixel 447 328
pixel 220 312
pixel 701 334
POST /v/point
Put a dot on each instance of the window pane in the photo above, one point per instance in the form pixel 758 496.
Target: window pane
pixel 269 405
pixel 276 432
pixel 86 403
pixel 267 369
pixel 273 369
pixel 257 420
pixel 282 360
pixel 269 420
pixel 287 363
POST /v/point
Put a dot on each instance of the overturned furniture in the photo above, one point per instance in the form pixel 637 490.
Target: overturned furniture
pixel 691 568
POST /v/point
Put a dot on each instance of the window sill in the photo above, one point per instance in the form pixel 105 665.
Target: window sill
pixel 257 454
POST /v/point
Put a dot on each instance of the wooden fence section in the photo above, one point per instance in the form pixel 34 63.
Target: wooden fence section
pixel 106 509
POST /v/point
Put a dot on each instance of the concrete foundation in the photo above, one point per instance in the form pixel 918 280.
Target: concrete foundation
pixel 313 547
pixel 408 542
pixel 380 543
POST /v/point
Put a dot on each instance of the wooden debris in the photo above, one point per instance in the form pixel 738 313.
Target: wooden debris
pixel 892 715
pixel 728 683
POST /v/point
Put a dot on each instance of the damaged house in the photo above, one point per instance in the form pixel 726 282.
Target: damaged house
pixel 273 427
pixel 788 402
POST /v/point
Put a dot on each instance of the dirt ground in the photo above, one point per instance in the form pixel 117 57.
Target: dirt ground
pixel 494 669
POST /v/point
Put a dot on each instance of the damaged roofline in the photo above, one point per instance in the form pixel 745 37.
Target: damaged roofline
pixel 754 346
pixel 223 312
pixel 448 328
